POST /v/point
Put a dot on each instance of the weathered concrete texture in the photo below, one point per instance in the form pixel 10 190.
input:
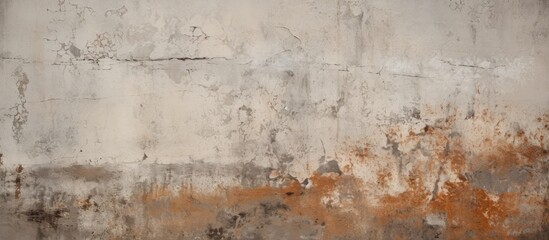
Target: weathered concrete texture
pixel 330 119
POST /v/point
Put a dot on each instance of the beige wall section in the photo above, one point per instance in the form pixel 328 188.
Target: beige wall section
pixel 113 92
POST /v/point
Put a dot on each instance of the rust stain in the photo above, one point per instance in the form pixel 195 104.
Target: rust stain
pixel 383 177
pixel 472 213
pixel 188 211
pixel 501 158
pixel 361 153
pixel 433 167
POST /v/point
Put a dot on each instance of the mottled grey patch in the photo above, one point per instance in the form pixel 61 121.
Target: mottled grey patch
pixel 286 158
pixel 499 182
pixel 149 141
pixel 424 151
pixel 84 172
pixel 129 220
pixel 353 22
pixel 20 117
pixel 246 109
pixel 436 220
pixel 272 135
pixel 175 70
pixel 398 228
pixel 297 93
pixel 416 113
pixel 142 52
pixel 329 167
pixel 22 81
pixel 74 51
pixel 229 98
pixel 13 226
pixel 470 114
pixel 473 30
pixel 3 175
pixel 248 174
pixel 335 109
pixel 19 112
pixel 252 175
pixel 118 12
pixel 263 220
pixel 393 146
pixel 103 46
pixel 46 144
pixel 541 234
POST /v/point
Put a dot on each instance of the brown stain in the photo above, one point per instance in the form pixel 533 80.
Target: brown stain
pixel 18 184
pixel 86 204
pixel 19 169
pixel 89 173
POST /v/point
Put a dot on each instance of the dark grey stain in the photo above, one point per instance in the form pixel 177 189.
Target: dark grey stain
pixel 329 167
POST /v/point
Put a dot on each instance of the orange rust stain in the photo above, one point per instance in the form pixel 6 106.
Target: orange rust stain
pixel 348 168
pixel 188 211
pixel 310 205
pixel 411 133
pixel 472 210
pixel 407 208
pixel 468 210
pixel 383 177
pixel 362 153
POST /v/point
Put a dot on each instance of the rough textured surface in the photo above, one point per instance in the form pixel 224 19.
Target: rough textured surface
pixel 277 119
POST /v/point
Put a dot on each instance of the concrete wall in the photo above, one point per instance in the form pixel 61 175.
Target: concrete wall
pixel 331 119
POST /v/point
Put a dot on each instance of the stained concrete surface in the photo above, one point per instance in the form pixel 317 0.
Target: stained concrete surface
pixel 274 119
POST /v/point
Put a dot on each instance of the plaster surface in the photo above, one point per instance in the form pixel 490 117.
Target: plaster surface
pixel 330 119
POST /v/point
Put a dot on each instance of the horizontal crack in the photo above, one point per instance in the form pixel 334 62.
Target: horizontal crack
pixel 159 59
